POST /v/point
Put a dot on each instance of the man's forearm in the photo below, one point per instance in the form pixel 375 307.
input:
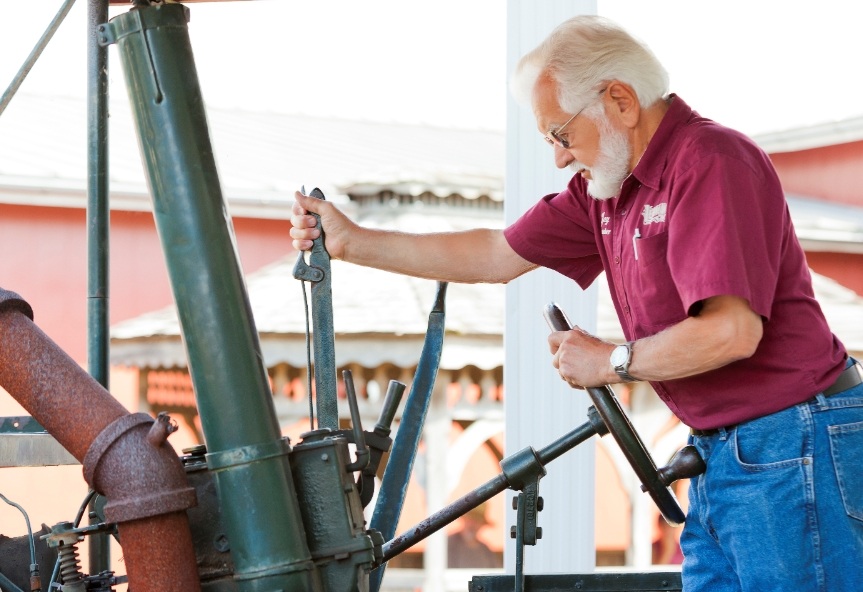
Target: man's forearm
pixel 726 330
pixel 472 256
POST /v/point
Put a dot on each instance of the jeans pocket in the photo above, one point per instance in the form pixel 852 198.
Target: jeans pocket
pixel 846 447
pixel 772 442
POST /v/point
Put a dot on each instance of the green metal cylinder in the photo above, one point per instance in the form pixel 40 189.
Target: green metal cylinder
pixel 259 503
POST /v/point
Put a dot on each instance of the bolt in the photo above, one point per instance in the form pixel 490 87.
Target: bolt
pixel 540 504
pixel 515 503
pixel 539 532
pixel 325 457
pixel 221 543
pixel 512 532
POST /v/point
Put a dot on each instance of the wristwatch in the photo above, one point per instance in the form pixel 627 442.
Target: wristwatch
pixel 621 357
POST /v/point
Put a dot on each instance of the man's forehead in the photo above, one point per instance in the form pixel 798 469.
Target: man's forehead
pixel 546 108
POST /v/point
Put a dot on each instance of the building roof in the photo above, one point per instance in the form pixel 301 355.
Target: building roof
pixel 378 317
pixel 262 157
pixel 826 226
pixel 812 136
pixel 371 330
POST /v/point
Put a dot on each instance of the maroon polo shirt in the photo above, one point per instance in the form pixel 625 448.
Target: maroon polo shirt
pixel 703 214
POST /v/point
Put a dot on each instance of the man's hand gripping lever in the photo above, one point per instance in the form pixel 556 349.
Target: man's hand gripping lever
pixel 319 259
pixel 317 271
pixel 686 463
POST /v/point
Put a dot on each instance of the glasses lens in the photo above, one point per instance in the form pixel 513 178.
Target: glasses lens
pixel 560 140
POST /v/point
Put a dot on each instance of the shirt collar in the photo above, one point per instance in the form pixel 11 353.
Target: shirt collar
pixel 652 163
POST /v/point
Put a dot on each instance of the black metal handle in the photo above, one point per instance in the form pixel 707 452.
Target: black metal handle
pixel 627 438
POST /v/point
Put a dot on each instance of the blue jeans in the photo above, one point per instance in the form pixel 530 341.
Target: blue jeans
pixel 780 507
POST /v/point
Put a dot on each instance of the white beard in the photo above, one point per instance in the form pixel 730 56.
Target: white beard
pixel 612 164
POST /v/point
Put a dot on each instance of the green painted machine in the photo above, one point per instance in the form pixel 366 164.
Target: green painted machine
pixel 269 515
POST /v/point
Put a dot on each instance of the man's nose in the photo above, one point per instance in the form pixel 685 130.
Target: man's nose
pixel 562 157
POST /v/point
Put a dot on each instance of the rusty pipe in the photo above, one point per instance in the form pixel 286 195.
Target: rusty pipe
pixel 144 484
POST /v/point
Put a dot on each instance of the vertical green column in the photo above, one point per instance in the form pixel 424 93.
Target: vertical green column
pixel 98 223
pixel 246 451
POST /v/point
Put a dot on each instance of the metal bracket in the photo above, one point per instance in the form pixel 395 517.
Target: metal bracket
pixel 526 532
pixel 25 443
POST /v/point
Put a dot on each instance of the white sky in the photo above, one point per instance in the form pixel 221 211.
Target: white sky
pixel 755 65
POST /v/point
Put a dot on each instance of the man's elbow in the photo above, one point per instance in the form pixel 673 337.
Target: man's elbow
pixel 743 337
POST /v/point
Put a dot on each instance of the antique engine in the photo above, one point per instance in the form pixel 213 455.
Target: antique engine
pixel 250 512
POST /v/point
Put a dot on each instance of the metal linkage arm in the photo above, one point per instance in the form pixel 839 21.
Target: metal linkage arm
pixel 518 471
pixel 400 464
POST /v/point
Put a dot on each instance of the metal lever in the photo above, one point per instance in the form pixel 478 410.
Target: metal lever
pixel 318 272
pixel 685 464
pixel 302 270
pixel 395 390
pixel 359 437
pixel 627 438
pixel 379 440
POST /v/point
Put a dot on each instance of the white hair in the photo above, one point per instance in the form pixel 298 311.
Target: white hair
pixel 584 53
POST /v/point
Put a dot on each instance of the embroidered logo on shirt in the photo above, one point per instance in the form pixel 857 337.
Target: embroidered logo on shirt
pixel 653 214
pixel 604 219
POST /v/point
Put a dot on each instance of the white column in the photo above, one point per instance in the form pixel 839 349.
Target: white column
pixel 539 407
pixel 436 438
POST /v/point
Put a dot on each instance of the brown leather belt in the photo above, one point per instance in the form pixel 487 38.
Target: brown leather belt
pixel 850 377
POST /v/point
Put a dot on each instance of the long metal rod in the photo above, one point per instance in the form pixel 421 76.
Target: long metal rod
pixel 439 519
pixel 34 55
pixel 7 584
pixel 489 489
pixel 98 216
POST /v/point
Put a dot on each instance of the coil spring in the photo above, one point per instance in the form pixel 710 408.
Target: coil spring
pixel 70 565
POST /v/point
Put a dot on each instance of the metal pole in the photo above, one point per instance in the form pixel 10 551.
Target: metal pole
pixel 98 215
pixel 34 55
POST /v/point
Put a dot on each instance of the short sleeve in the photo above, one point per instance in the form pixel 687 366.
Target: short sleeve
pixel 729 218
pixel 557 233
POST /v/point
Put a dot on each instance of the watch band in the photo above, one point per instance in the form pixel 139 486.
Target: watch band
pixel 626 376
pixel 623 369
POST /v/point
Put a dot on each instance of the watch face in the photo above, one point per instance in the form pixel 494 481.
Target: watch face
pixel 619 355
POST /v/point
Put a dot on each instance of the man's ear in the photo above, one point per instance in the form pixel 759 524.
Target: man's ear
pixel 622 103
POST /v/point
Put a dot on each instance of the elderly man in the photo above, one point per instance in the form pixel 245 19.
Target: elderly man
pixel 689 222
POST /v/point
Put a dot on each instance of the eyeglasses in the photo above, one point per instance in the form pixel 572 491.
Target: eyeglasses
pixel 553 136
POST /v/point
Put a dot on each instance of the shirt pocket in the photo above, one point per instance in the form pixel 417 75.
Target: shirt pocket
pixel 650 249
pixel 657 300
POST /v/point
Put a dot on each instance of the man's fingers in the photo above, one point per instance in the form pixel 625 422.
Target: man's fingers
pixel 302 222
pixel 302 245
pixel 309 204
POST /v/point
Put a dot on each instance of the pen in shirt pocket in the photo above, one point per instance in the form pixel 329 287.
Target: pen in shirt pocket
pixel 635 237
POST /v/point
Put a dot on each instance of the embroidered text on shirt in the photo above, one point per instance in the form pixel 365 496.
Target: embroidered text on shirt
pixel 604 219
